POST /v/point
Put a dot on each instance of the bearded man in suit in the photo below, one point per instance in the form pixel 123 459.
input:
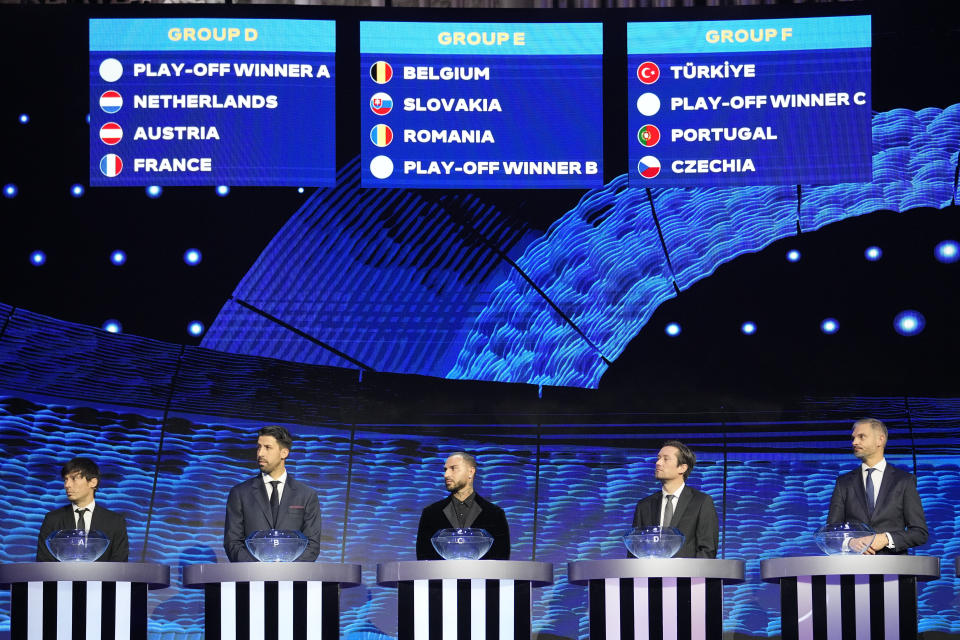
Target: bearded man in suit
pixel 81 479
pixel 271 500
pixel 679 505
pixel 878 494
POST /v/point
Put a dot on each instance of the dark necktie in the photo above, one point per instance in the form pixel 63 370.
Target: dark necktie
pixel 81 523
pixel 871 500
pixel 668 511
pixel 275 501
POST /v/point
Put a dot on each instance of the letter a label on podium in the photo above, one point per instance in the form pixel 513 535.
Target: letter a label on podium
pixel 209 101
pixel 481 105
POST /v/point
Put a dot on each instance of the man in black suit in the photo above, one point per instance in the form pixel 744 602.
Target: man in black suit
pixel 271 500
pixel 878 494
pixel 463 509
pixel 677 505
pixel 81 479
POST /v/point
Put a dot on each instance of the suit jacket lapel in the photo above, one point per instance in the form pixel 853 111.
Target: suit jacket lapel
pixel 451 514
pixel 861 491
pixel 686 497
pixel 260 497
pixel 889 479
pixel 655 506
pixel 473 514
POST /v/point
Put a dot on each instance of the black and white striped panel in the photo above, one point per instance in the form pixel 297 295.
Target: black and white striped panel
pixel 656 609
pixel 283 610
pixel 463 610
pixel 849 607
pixel 78 611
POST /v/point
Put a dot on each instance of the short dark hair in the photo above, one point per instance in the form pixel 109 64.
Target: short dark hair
pixel 468 459
pixel 280 434
pixel 86 467
pixel 684 456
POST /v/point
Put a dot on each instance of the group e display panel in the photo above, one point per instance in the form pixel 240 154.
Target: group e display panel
pixel 749 102
pixel 481 105
pixel 212 102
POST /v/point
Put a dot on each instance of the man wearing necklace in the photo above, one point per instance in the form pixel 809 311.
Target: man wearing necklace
pixel 463 509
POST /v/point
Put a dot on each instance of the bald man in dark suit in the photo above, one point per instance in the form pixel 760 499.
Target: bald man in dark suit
pixel 879 494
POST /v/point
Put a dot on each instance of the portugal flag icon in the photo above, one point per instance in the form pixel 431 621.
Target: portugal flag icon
pixel 381 103
pixel 111 133
pixel 111 165
pixel 648 135
pixel 648 167
pixel 381 72
pixel 381 135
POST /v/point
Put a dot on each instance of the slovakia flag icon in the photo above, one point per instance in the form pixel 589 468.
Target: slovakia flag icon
pixel 648 167
pixel 381 103
pixel 111 165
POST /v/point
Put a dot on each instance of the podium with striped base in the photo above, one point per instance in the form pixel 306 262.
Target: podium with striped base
pixel 89 600
pixel 662 599
pixel 464 599
pixel 278 600
pixel 839 597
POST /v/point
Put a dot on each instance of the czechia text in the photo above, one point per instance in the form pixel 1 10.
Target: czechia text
pixel 730 165
pixel 176 133
pixel 450 136
pixel 451 104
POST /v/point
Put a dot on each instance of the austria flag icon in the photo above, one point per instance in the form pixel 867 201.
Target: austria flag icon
pixel 648 167
pixel 111 165
pixel 111 133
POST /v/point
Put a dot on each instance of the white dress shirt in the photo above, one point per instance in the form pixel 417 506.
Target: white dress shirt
pixel 87 517
pixel 878 470
pixel 267 479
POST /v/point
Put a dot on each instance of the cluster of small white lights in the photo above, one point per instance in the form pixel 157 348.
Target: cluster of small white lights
pixel 38 258
pixel 77 190
pixel 793 255
pixel 154 191
pixel 112 326
pixel 748 328
pixel 873 253
pixel 947 251
pixel 195 328
pixel 672 329
pixel 10 190
pixel 223 190
pixel 192 257
pixel 118 257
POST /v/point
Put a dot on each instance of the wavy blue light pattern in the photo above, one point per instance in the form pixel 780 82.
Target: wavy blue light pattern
pixel 603 265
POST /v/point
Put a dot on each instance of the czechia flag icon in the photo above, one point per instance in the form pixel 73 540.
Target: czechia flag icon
pixel 381 72
pixel 381 135
pixel 111 133
pixel 111 165
pixel 649 167
pixel 381 103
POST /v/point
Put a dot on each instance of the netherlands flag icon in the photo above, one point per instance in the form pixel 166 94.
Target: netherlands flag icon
pixel 111 133
pixel 111 101
pixel 111 165
pixel 381 135
pixel 648 167
pixel 381 103
pixel 381 72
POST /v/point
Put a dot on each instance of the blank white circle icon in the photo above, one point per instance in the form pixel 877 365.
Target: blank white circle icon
pixel 111 70
pixel 648 104
pixel 381 167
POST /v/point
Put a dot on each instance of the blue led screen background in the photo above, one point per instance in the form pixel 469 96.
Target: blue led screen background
pixel 388 327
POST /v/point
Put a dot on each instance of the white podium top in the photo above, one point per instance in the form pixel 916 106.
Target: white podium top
pixel 156 576
pixel 197 575
pixel 923 567
pixel 582 571
pixel 538 573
